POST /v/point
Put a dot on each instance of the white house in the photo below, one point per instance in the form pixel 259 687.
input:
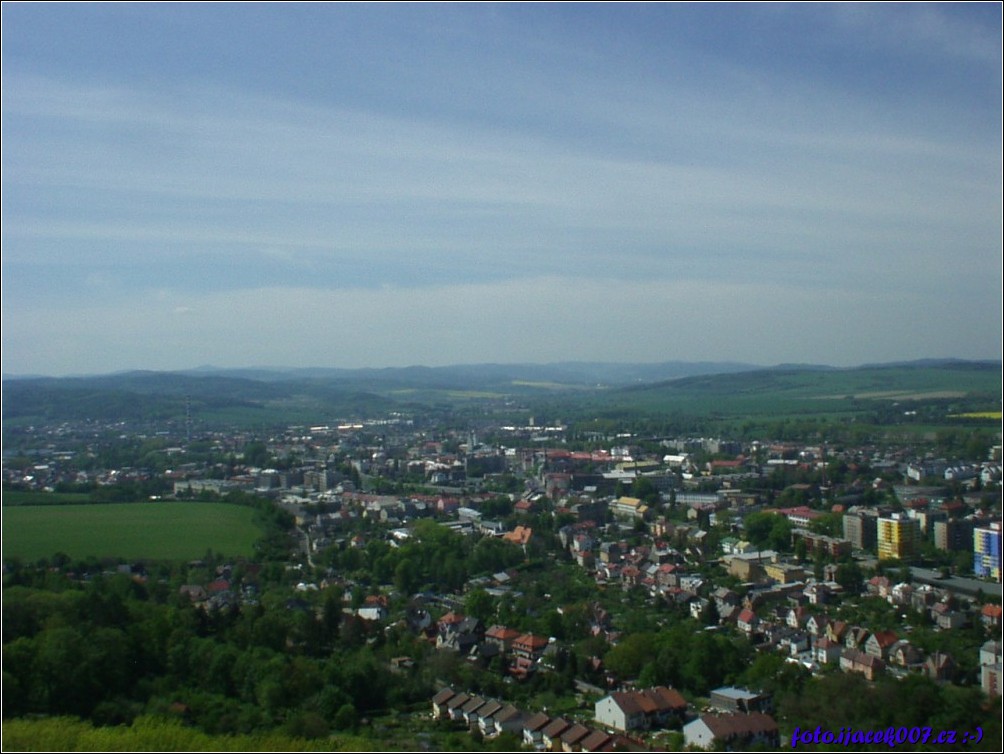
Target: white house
pixel 633 710
pixel 734 731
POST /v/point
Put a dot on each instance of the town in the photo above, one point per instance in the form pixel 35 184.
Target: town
pixel 656 590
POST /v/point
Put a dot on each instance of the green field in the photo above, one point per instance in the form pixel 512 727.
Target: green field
pixel 134 531
pixel 32 497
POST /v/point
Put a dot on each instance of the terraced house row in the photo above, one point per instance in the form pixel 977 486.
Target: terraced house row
pixel 620 720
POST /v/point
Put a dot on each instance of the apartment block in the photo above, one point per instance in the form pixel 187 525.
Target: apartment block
pixel 953 535
pixel 860 529
pixel 987 551
pixel 897 536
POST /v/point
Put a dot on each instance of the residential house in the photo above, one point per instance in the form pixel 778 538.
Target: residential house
pixel 836 631
pixel 946 618
pixel 470 710
pixel 440 710
pixel 816 624
pixel 990 668
pixel 939 666
pixel 903 654
pixel 796 616
pixel 501 637
pixel 747 622
pixel 825 651
pixel 990 616
pixel 879 644
pixel 734 731
pixel 455 706
pixel 818 593
pixel 459 633
pixel 519 536
pixel 374 608
pixel 725 597
pixel 597 741
pixel 668 574
pixel 857 661
pixel 793 642
pixel 529 647
pixel 533 730
pixel 697 607
pixel 551 733
pixel 571 739
pixel 610 552
pixel 639 710
pixel 486 716
pixel 631 576
pixel 509 719
pixel 856 637
pixel 902 594
pixel 879 586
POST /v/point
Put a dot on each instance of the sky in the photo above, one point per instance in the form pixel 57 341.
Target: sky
pixel 371 185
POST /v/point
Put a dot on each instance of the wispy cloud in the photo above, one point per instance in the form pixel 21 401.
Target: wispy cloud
pixel 510 161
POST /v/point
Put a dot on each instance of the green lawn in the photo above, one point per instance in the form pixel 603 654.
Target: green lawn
pixel 152 531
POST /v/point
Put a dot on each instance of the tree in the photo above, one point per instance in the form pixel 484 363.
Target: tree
pixel 643 489
pixel 801 550
pixel 850 577
pixel 346 718
pixel 256 454
pixel 481 605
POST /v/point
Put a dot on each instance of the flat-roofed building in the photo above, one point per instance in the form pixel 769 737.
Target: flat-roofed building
pixel 860 529
pixel 897 536
pixel 987 551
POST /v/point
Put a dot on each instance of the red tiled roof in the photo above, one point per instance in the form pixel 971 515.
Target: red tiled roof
pixel 532 642
pixel 726 726
pixel 594 741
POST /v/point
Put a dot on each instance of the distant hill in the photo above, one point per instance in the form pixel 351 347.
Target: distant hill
pixel 275 395
pixel 472 376
pixel 797 390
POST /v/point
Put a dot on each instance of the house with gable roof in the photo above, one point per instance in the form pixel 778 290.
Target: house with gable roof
pixel 639 710
pixel 857 661
pixel 455 706
pixel 470 710
pixel 440 710
pixel 509 718
pixel 903 654
pixel 597 741
pixel 571 739
pixel 533 730
pixel 880 643
pixel 734 731
pixel 551 733
pixel 486 716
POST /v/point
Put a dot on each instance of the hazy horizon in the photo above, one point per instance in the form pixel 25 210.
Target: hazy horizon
pixel 724 366
pixel 367 186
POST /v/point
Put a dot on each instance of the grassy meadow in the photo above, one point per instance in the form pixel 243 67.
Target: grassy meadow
pixel 134 531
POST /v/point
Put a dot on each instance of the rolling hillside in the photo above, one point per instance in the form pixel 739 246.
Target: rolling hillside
pixel 706 390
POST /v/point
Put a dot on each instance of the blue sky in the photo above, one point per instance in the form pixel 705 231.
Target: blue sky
pixel 392 184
